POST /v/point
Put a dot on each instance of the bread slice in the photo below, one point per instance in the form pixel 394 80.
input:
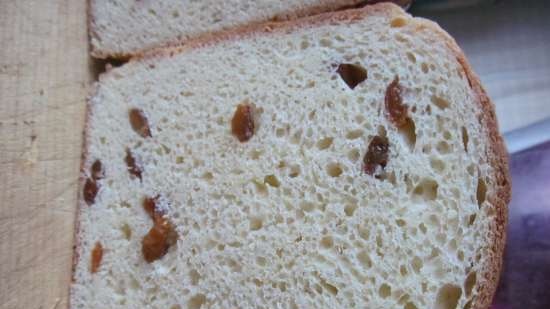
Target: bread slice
pixel 347 160
pixel 120 29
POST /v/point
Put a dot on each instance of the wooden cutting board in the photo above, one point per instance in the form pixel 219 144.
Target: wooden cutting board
pixel 44 77
pixel 45 73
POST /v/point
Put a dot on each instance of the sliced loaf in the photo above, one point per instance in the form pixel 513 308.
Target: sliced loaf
pixel 347 160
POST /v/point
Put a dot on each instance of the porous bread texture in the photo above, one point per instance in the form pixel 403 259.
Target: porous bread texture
pixel 289 219
pixel 119 28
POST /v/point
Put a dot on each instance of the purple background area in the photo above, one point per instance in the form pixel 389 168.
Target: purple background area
pixel 525 280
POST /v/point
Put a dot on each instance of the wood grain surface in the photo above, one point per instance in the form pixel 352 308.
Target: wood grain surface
pixel 44 76
pixel 45 73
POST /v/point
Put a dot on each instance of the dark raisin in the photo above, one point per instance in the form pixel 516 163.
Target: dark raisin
pixel 352 74
pixel 133 169
pixel 149 205
pixel 396 110
pixel 90 191
pixel 139 122
pixel 377 155
pixel 242 124
pixel 97 170
pixel 97 256
pixel 154 245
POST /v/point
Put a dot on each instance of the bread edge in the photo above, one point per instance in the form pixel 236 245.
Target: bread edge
pixel 497 154
pixel 80 198
pixel 101 53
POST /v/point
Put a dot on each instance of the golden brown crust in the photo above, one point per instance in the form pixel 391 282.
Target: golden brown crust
pixel 497 155
pixel 268 28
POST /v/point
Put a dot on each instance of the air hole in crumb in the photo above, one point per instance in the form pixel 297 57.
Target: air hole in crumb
pixel 427 189
pixel 425 67
pixel 272 181
pixel 440 102
pixel 255 154
pixel 481 191
pixel 447 135
pixel 384 291
pixel 126 231
pixel 261 187
pixel 334 170
pixel 471 169
pixel 327 242
pixel 408 132
pixel 350 209
pixel 416 264
pixel 307 206
pixel 411 57
pixel 400 222
pixel 410 305
pixel 422 228
pixel 280 132
pixel 196 301
pixel 294 171
pixel 364 259
pixel 261 261
pixel 460 255
pixel 329 287
pixel 353 134
pixel 325 42
pixel 465 138
pixel 443 147
pixel 364 233
pixel 437 165
pixel 208 176
pixel 194 276
pixel 257 282
pixel 448 296
pixel 296 137
pixel 471 219
pixel 403 270
pixel 399 21
pixel 354 155
pixel 324 143
pixel 470 283
pixel 255 223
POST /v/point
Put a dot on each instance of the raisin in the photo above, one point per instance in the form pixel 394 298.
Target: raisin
pixel 396 110
pixel 139 122
pixel 133 169
pixel 154 245
pixel 97 170
pixel 242 124
pixel 352 74
pixel 90 191
pixel 97 256
pixel 149 205
pixel 377 155
pixel 161 236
